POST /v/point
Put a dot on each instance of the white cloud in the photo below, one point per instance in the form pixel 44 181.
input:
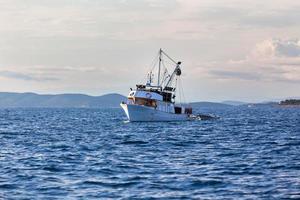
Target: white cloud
pixel 271 60
pixel 277 48
pixel 26 76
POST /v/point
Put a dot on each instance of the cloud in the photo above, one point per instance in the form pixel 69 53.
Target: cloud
pixel 278 48
pixel 251 14
pixel 25 77
pixel 88 19
pixel 270 60
pixel 235 74
pixel 64 69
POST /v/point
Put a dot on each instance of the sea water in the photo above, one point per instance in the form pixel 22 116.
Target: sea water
pixel 249 153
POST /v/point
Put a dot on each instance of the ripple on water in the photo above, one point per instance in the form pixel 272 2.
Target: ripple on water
pixel 92 153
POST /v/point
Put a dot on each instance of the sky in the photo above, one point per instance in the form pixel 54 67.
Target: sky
pixel 246 50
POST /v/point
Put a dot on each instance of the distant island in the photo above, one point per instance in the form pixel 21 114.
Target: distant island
pixel 33 100
pixel 290 102
pixel 113 100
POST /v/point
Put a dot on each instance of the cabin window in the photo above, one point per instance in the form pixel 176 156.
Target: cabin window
pixel 130 101
pixel 177 110
pixel 167 96
pixel 145 102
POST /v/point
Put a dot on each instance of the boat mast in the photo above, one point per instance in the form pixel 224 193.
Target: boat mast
pixel 159 65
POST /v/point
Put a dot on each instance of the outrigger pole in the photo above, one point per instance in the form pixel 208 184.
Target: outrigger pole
pixel 176 72
pixel 177 69
pixel 168 56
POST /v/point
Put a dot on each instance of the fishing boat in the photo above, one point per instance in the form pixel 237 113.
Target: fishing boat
pixel 157 101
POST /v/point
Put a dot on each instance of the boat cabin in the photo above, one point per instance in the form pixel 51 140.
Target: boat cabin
pixel 159 100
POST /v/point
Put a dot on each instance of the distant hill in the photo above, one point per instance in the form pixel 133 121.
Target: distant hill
pixel 9 99
pixel 234 103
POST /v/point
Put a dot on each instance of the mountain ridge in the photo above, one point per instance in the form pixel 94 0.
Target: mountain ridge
pixel 78 100
pixel 73 100
pixel 29 99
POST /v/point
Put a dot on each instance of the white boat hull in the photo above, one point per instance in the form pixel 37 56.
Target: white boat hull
pixel 140 113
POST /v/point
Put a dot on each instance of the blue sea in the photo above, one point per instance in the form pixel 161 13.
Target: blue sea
pixel 249 153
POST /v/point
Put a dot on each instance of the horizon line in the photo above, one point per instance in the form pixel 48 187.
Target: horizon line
pixel 116 93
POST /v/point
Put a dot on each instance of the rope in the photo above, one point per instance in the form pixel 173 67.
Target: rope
pixel 179 91
pixel 176 90
pixel 168 57
pixel 166 73
pixel 151 68
pixel 183 97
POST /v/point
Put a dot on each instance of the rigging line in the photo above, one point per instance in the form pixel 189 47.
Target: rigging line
pixel 165 74
pixel 170 62
pixel 152 66
pixel 154 61
pixel 176 90
pixel 168 76
pixel 180 91
pixel 183 96
pixel 166 69
pixel 159 66
pixel 168 56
